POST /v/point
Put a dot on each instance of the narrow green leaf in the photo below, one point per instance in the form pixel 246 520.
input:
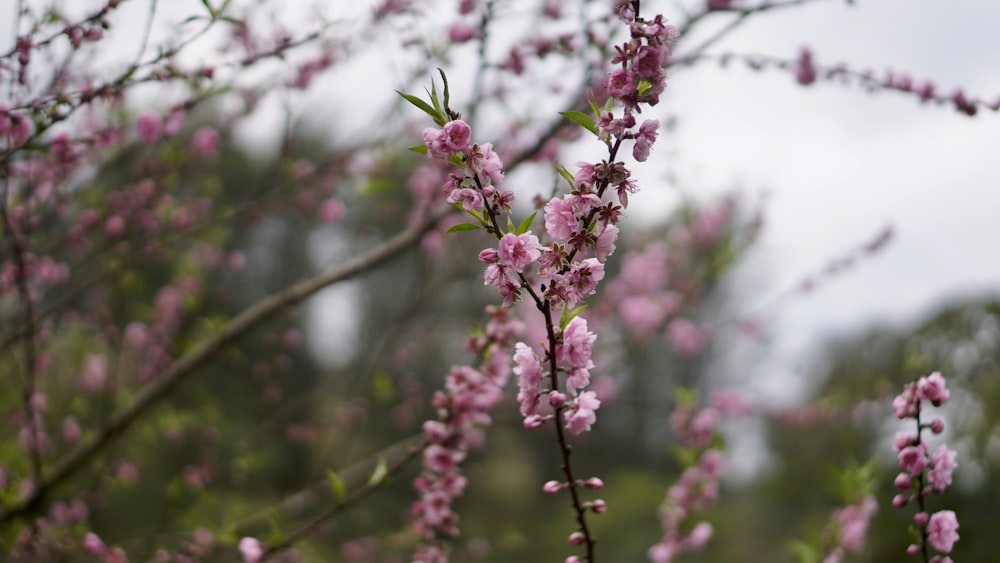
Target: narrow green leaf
pixel 510 225
pixel 475 214
pixel 593 106
pixel 445 80
pixel 422 149
pixel 457 159
pixel 336 485
pixel 526 224
pixel 566 176
pixel 463 227
pixel 581 119
pixel 379 473
pixel 423 106
pixel 211 10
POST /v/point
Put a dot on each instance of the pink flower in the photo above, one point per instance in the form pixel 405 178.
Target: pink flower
pixel 529 378
pixel 149 127
pixel 456 135
pixel 469 198
pixel 913 459
pixel 331 210
pixel 699 536
pixel 251 550
pixel 92 544
pixel 687 339
pixel 942 465
pixel 560 219
pixel 575 350
pixel 205 142
pixel 519 251
pixel 942 530
pixel 583 416
pixel 620 83
pixel 482 160
pixel 644 139
pixel 932 388
pixel 460 32
pixel 604 246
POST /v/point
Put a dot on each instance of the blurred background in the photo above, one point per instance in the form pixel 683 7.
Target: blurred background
pixel 822 244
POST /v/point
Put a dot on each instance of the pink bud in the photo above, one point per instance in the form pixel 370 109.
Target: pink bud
pixel 599 506
pixel 594 483
pixel 903 482
pixel 899 501
pixel 937 426
pixel 921 518
pixel 552 487
pixel 556 399
pixel 533 422
pixel 576 538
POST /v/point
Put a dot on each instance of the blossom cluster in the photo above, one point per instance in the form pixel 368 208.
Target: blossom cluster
pixel 925 472
pixel 697 489
pixel 850 528
pixel 463 406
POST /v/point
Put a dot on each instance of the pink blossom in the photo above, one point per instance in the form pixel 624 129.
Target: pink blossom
pixel 942 530
pixel 205 142
pixel 519 251
pixel 913 459
pixel 640 315
pixel 460 32
pixel 853 522
pixel 92 544
pixel 150 127
pixel 583 415
pixel 699 536
pixel 577 342
pixel 481 159
pixel 649 62
pixel 942 465
pixel 469 198
pixel 933 388
pixel 560 219
pixel 620 83
pixel 644 139
pixel 686 338
pixel 529 378
pixel 251 550
pixel 604 246
pixel 94 374
pixel 332 210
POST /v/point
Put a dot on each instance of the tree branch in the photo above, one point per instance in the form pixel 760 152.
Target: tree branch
pixel 183 367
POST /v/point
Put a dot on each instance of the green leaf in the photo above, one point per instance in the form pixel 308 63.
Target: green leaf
pixel 422 149
pixel 424 107
pixel 336 485
pixel 457 159
pixel 510 225
pixel 445 80
pixel 526 224
pixel 581 119
pixel 568 315
pixel 379 473
pixel 463 227
pixel 211 10
pixel 566 176
pixel 593 106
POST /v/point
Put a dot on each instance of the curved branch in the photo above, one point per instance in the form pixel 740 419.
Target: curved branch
pixel 183 367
